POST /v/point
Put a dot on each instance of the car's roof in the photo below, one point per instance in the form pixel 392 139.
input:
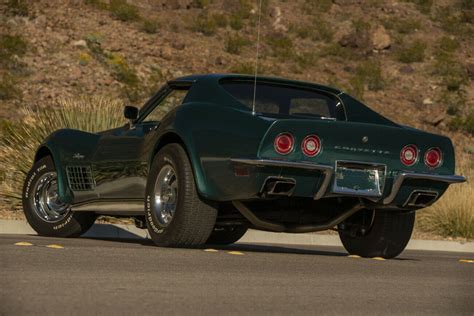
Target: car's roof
pixel 218 77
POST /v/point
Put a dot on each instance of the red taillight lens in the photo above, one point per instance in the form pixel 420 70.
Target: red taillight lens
pixel 284 143
pixel 433 158
pixel 409 155
pixel 311 145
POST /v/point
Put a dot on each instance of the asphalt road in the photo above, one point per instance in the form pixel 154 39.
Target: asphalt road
pixel 89 276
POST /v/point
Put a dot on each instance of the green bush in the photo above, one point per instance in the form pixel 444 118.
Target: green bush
pixel 8 87
pixel 402 26
pixel 205 24
pixel 234 44
pixel 123 11
pixel 201 4
pixel 316 7
pixel 447 45
pixel 465 124
pixel 281 46
pixel 424 6
pixel 22 139
pixel 150 26
pixel 243 68
pixel 18 7
pixel 413 52
pixel 11 46
pixel 336 51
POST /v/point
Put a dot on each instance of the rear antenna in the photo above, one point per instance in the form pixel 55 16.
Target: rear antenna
pixel 256 59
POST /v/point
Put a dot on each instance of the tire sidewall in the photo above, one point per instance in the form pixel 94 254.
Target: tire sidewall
pixel 159 232
pixel 66 227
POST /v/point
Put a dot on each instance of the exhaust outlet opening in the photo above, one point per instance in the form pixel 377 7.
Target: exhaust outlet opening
pixel 279 186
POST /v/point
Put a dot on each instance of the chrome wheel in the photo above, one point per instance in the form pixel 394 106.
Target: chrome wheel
pixel 166 195
pixel 46 203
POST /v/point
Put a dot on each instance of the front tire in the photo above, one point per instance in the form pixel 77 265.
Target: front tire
pixel 45 213
pixel 386 237
pixel 175 214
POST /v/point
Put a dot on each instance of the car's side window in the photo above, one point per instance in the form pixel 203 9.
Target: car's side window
pixel 171 101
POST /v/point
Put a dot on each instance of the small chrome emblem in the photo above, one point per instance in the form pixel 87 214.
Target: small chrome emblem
pixel 365 139
pixel 78 156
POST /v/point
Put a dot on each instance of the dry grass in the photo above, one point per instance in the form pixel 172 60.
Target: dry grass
pixel 21 139
pixel 453 214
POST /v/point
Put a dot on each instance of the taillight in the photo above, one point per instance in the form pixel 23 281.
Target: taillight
pixel 409 155
pixel 311 145
pixel 284 143
pixel 433 158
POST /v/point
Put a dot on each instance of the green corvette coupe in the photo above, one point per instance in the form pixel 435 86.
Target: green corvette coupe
pixel 210 156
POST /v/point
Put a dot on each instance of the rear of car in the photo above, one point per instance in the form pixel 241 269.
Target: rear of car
pixel 319 145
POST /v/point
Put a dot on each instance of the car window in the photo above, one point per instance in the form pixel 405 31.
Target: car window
pixel 171 101
pixel 283 100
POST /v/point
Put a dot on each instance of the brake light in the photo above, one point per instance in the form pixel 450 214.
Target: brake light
pixel 284 143
pixel 311 145
pixel 409 155
pixel 433 158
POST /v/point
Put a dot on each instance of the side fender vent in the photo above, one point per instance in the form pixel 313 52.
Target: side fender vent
pixel 80 178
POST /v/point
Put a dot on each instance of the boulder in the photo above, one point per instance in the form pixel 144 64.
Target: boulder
pixel 380 38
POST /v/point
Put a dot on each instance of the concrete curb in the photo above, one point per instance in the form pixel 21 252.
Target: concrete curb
pixel 252 236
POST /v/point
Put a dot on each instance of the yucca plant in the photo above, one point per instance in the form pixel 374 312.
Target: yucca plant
pixel 453 214
pixel 21 139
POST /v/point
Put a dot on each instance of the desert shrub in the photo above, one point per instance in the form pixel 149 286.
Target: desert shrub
pixel 123 11
pixel 461 123
pixel 452 73
pixel 447 45
pixel 424 6
pixel 453 101
pixel 122 71
pixel 22 139
pixel 220 19
pixel 336 51
pixel 84 58
pixel 243 68
pixel 412 52
pixel 322 30
pixel 11 46
pixel 8 87
pixel 18 7
pixel 200 4
pixel 234 44
pixel 150 26
pixel 236 22
pixel 205 24
pixel 315 7
pixel 280 45
pixel 402 26
pixel 453 214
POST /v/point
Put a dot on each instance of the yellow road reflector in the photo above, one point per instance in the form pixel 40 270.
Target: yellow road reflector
pixel 54 246
pixel 23 243
pixel 466 260
pixel 353 256
pixel 211 250
pixel 237 253
pixel 378 258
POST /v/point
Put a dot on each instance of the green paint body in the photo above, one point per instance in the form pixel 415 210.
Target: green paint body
pixel 214 127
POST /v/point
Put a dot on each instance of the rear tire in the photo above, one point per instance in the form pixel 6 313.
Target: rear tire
pixel 226 235
pixel 387 236
pixel 175 214
pixel 45 213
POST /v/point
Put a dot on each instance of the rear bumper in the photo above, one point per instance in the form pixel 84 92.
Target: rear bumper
pixel 328 171
pixel 402 177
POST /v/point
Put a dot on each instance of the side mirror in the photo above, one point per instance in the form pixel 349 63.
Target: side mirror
pixel 130 113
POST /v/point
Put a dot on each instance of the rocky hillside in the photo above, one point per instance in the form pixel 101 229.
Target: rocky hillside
pixel 411 60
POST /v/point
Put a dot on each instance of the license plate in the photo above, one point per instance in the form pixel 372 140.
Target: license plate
pixel 359 179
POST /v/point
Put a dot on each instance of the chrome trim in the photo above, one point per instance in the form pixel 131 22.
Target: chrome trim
pixel 278 179
pixel 397 183
pixel 111 206
pixel 440 157
pixel 381 179
pixel 325 169
pixel 434 194
pixel 292 145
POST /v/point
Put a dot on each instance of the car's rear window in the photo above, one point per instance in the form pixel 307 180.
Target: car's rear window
pixel 283 100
